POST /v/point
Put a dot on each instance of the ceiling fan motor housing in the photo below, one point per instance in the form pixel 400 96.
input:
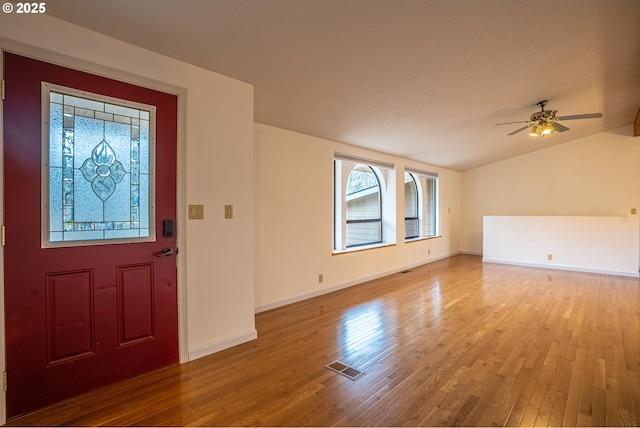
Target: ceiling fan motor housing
pixel 543 116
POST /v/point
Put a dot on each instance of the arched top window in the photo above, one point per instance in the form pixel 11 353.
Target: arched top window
pixel 411 218
pixel 420 204
pixel 363 213
pixel 364 206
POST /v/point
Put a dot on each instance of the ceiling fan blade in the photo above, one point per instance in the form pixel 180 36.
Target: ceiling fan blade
pixel 560 128
pixel 511 123
pixel 580 116
pixel 519 130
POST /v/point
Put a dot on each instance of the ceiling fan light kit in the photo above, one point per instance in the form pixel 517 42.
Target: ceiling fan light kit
pixel 542 129
pixel 545 122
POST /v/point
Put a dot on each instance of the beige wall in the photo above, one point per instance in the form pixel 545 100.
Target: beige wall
pixel 564 242
pixel 593 176
pixel 294 220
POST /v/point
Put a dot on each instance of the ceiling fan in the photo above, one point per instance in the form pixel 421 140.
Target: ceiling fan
pixel 545 122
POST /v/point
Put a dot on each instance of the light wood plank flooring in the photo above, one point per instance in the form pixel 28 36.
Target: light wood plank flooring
pixel 454 342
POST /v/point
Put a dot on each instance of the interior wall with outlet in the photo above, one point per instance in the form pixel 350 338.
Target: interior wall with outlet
pixel 564 242
pixel 294 220
pixel 597 175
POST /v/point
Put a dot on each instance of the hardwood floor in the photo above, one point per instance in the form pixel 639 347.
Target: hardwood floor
pixel 454 342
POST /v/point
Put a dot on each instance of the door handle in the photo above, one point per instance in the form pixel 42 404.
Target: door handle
pixel 165 252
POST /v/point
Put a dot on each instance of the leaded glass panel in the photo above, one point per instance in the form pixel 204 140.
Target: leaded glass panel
pixel 99 169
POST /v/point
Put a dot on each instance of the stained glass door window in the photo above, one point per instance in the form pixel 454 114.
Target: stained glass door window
pixel 98 175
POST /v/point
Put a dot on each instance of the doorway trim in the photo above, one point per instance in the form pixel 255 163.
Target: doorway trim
pixel 22 49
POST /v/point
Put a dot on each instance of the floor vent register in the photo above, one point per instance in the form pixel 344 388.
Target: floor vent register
pixel 345 370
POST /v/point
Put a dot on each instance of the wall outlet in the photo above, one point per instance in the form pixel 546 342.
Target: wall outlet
pixel 549 256
pixel 320 277
pixel 429 252
pixel 228 211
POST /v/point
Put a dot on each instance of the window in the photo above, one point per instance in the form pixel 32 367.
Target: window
pixel 364 208
pixel 420 200
pixel 411 219
pixel 364 220
pixel 98 174
pixel 429 201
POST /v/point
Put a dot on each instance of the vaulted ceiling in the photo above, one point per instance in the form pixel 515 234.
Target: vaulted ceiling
pixel 422 79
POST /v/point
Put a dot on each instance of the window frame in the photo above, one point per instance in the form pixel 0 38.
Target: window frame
pixel 46 241
pixel 385 174
pixel 428 203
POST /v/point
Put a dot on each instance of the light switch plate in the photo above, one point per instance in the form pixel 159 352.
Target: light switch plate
pixel 228 211
pixel 196 212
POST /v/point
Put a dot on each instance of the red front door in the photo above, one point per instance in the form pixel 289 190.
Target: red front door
pixel 85 313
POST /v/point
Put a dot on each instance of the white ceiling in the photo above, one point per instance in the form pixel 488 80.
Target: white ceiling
pixel 422 79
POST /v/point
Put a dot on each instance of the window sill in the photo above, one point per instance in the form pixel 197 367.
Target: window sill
pixel 422 238
pixel 361 248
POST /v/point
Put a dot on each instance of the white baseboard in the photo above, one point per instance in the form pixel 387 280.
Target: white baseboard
pixel 471 253
pixel 560 267
pixel 211 348
pixel 316 293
